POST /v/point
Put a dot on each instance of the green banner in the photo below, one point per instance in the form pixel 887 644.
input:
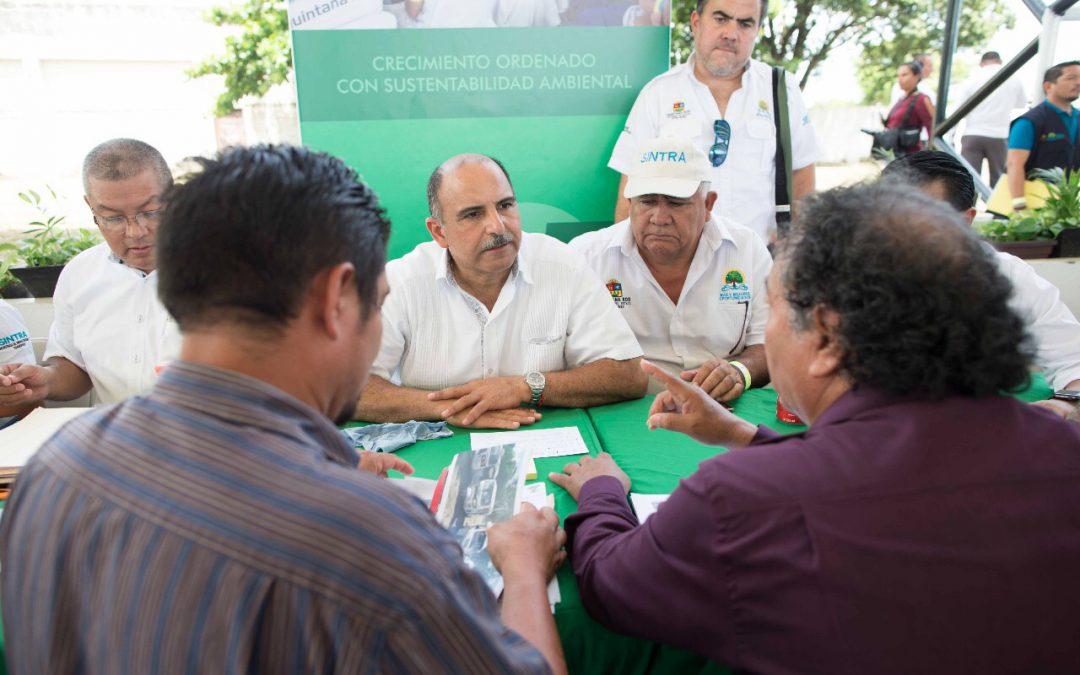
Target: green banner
pixel 547 102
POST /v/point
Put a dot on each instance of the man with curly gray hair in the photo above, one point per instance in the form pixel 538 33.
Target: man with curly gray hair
pixel 924 523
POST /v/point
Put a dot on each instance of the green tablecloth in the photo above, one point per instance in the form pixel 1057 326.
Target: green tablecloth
pixel 655 461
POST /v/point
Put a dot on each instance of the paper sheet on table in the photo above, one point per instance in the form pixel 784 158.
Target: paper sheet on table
pixel 646 505
pixel 537 495
pixel 22 439
pixel 555 442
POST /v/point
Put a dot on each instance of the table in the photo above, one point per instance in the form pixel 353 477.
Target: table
pixel 589 647
pixel 655 461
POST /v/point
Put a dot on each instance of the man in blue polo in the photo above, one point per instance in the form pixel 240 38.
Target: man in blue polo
pixel 1045 136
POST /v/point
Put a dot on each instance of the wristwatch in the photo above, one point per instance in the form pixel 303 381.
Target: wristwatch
pixel 536 382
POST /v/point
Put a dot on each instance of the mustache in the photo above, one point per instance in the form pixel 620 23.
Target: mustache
pixel 497 241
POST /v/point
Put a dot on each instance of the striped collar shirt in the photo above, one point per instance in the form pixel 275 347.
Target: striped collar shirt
pixel 217 525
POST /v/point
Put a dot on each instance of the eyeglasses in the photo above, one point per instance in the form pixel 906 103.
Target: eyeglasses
pixel 147 219
pixel 721 143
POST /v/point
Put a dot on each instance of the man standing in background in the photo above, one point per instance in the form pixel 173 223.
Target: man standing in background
pixel 987 126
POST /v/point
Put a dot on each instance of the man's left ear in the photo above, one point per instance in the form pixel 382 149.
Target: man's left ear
pixel 337 291
pixel 828 356
pixel 710 199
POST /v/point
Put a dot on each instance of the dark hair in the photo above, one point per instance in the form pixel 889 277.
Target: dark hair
pixel 934 166
pixel 915 67
pixel 761 18
pixel 990 56
pixel 434 183
pixel 122 158
pixel 923 308
pixel 242 239
pixel 1054 72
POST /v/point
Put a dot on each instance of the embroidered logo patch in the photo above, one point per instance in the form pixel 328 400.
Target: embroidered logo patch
pixel 678 111
pixel 734 288
pixel 763 109
pixel 615 289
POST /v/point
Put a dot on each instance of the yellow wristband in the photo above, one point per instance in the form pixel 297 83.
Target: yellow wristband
pixel 745 373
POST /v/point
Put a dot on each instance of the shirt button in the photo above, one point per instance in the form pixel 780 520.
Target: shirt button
pixel 139 318
pixel 137 358
pixel 491 371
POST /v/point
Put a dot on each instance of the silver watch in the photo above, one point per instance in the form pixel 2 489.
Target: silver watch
pixel 536 382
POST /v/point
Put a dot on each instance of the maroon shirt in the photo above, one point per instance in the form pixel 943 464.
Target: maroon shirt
pixel 894 536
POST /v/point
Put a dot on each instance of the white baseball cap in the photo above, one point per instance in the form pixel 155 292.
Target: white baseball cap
pixel 667 166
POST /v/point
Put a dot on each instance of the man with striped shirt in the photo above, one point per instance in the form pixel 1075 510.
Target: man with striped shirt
pixel 219 523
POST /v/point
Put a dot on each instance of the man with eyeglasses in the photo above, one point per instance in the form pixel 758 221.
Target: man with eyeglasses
pixel 691 286
pixel 723 100
pixel 109 330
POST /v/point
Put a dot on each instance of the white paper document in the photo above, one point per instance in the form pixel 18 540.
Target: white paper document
pixel 646 505
pixel 537 495
pixel 22 439
pixel 555 442
pixel 421 488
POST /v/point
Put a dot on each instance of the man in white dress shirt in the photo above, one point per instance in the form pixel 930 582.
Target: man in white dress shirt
pixel 109 329
pixel 691 286
pixel 722 99
pixel 1036 300
pixel 986 129
pixel 485 320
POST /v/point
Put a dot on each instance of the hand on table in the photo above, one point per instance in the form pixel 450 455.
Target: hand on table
pixel 529 544
pixel 721 380
pixel 511 418
pixel 22 383
pixel 480 396
pixel 379 463
pixel 690 410
pixel 1063 409
pixel 576 474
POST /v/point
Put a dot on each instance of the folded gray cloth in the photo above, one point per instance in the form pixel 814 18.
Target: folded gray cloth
pixel 393 437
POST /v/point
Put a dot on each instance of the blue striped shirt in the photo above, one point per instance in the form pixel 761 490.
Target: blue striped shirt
pixel 220 525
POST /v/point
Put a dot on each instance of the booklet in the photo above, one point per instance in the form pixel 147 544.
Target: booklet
pixel 482 487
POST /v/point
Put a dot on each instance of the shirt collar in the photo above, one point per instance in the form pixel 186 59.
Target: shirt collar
pixel 694 78
pixel 858 400
pixel 249 402
pixel 1073 112
pixel 113 258
pixel 714 235
pixel 444 269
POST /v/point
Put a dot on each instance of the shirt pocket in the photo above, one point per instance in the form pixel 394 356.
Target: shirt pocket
pixel 545 353
pixel 728 325
pixel 761 144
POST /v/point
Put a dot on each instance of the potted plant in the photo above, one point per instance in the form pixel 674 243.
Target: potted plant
pixel 48 247
pixel 1052 230
pixel 1061 212
pixel 1023 234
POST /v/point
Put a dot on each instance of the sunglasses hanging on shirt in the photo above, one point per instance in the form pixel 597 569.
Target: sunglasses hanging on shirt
pixel 722 141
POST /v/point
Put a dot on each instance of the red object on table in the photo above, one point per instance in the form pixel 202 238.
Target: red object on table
pixel 785 415
pixel 437 496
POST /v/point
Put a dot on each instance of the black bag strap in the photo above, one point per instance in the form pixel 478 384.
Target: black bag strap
pixel 911 106
pixel 782 120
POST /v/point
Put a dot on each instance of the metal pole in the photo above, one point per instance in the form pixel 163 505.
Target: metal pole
pixel 1036 6
pixel 952 31
pixel 982 188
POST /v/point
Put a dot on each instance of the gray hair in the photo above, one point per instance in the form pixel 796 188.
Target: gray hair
pixel 122 158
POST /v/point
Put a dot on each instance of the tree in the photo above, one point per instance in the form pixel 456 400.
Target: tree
pixel 257 56
pixel 799 35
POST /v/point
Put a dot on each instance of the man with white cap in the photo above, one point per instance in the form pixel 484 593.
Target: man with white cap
pixel 692 287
